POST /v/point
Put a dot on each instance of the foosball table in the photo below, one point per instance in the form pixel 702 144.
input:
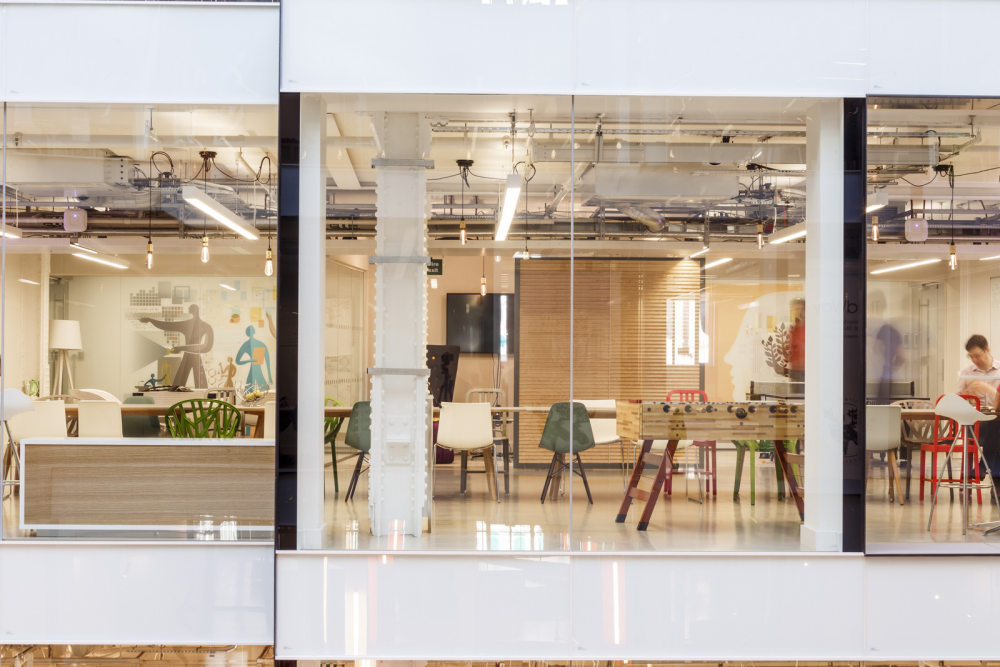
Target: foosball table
pixel 645 421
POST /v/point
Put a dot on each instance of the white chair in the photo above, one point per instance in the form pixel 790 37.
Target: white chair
pixel 99 419
pixel 605 428
pixel 270 413
pixel 882 434
pixel 496 398
pixel 47 419
pixel 468 427
pixel 958 409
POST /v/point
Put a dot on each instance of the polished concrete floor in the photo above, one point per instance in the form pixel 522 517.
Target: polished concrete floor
pixel 683 522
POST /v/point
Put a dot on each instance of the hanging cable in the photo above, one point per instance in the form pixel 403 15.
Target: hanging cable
pixel 149 227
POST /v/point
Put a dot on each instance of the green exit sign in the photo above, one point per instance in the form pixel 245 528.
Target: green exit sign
pixel 436 267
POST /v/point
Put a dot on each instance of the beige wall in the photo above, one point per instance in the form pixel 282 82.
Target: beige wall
pixel 22 320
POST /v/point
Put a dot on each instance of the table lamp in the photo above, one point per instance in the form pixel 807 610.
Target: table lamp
pixel 14 403
pixel 64 335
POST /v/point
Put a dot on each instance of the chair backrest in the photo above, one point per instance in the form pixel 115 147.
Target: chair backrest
pixel 465 426
pixel 605 429
pixel 203 418
pixel 687 396
pixel 94 395
pixel 561 422
pixel 359 427
pixel 882 427
pixel 488 395
pixel 47 419
pixel 140 426
pixel 99 419
pixel 270 415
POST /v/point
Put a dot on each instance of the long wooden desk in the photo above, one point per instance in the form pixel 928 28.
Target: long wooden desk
pixel 658 420
pixel 147 484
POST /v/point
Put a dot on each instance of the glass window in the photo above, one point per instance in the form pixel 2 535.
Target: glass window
pixel 138 333
pixel 932 299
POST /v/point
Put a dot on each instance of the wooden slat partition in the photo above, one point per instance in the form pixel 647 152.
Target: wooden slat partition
pixel 619 323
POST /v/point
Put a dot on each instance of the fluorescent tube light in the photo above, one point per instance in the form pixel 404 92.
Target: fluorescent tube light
pixel 718 262
pixel 207 205
pixel 796 231
pixel 227 287
pixel 983 259
pixel 900 267
pixel 878 199
pixel 873 207
pixel 699 253
pixel 83 247
pixel 28 282
pixel 107 261
pixel 11 232
pixel 509 203
pixel 524 254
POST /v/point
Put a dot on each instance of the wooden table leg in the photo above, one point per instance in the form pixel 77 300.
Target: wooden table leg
pixel 663 471
pixel 633 482
pixel 793 485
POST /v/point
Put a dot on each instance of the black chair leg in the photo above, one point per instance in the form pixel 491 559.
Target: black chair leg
pixel 583 474
pixel 548 477
pixel 354 478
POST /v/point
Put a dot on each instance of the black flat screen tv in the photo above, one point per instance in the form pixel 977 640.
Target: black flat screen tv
pixel 479 324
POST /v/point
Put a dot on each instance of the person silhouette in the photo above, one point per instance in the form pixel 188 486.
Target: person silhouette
pixel 228 372
pixel 256 354
pixel 198 339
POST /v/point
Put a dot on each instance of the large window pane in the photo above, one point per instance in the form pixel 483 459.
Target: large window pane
pixel 139 308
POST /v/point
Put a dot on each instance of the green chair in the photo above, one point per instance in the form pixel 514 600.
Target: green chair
pixel 754 446
pixel 359 436
pixel 136 426
pixel 331 427
pixel 556 438
pixel 203 418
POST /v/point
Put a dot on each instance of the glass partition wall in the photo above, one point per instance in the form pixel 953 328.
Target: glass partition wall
pixel 932 308
pixel 139 322
pixel 520 292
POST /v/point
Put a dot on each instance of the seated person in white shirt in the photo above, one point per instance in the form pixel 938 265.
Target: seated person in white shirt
pixel 982 379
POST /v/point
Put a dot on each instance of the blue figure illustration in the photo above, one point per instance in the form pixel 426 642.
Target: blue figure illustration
pixel 256 354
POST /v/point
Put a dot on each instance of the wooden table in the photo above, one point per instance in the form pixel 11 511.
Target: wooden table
pixel 648 420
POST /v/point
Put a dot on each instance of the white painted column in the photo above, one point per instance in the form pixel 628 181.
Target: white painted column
pixel 44 372
pixel 824 454
pixel 398 474
pixel 312 320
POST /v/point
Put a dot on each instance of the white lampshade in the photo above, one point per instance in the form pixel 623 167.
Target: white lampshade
pixel 15 403
pixel 65 335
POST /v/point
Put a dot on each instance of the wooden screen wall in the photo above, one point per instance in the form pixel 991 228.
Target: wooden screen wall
pixel 619 331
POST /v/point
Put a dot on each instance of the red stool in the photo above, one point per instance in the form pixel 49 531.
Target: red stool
pixel 945 432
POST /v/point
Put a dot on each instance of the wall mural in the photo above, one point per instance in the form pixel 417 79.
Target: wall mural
pixel 189 332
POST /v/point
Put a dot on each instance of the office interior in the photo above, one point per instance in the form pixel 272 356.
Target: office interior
pixel 648 245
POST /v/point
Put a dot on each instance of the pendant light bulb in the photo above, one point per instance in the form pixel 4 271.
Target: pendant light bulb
pixel 149 255
pixel 204 250
pixel 875 228
pixel 268 263
pixel 952 258
pixel 482 286
pixel 461 232
pixel 760 235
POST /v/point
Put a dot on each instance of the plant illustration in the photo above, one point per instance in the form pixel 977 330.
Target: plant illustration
pixel 777 350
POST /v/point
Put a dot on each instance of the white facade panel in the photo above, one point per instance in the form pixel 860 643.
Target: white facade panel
pixel 403 606
pixel 139 53
pixel 730 607
pixel 933 47
pixel 437 46
pixel 656 47
pixel 136 593
pixel 721 47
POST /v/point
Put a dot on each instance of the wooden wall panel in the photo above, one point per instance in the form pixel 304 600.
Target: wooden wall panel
pixel 619 337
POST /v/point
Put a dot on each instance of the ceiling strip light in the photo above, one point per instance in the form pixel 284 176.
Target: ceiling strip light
pixel 796 231
pixel 900 267
pixel 227 287
pixel 718 262
pixel 210 207
pixel 84 248
pixel 509 202
pixel 107 261
pixel 27 282
pixel 11 232
pixel 983 259
pixel 699 253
